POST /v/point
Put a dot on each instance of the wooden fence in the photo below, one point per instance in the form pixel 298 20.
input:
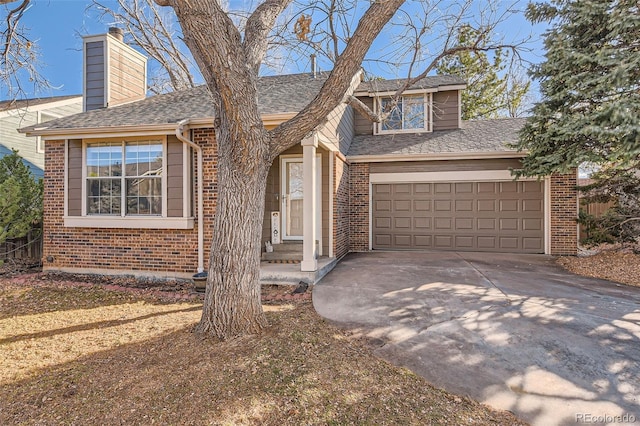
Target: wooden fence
pixel 594 209
pixel 27 247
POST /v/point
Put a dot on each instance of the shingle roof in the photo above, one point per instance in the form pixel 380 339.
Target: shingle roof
pixel 430 82
pixel 277 94
pixel 24 103
pixel 474 136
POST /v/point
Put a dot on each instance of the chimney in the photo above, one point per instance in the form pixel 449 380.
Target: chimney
pixel 113 72
pixel 117 33
pixel 314 71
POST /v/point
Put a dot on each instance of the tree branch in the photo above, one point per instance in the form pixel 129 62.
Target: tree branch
pixel 257 30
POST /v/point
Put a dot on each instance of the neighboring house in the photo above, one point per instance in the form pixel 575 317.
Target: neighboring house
pixel 28 112
pixel 122 195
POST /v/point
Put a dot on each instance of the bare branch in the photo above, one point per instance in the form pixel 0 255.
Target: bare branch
pixel 257 29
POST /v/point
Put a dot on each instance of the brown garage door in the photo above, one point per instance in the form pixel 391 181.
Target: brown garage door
pixel 465 216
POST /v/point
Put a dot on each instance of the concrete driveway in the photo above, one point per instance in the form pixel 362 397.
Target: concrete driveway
pixel 513 331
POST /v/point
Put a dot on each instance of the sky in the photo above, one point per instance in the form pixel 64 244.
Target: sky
pixel 57 27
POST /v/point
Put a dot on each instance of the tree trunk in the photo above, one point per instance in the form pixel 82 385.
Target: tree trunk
pixel 232 304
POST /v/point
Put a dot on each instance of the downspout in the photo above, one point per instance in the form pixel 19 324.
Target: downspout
pixel 179 134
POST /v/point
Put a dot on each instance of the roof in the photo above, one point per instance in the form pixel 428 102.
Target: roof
pixel 430 82
pixel 480 136
pixel 276 95
pixel 25 103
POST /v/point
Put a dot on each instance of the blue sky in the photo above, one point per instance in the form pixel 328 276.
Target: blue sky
pixel 57 26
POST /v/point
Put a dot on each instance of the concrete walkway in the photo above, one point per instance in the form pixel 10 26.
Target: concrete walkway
pixel 513 331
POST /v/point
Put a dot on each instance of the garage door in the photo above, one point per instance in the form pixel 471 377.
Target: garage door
pixel 464 216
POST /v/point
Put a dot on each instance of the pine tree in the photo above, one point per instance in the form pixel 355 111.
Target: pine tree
pixel 590 86
pixel 492 90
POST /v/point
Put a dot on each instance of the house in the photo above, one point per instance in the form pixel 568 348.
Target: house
pixel 15 114
pixel 131 188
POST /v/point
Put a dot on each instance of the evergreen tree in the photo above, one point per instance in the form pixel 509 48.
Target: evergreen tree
pixel 590 86
pixel 492 90
pixel 20 198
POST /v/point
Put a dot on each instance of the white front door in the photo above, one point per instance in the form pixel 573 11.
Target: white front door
pixel 292 194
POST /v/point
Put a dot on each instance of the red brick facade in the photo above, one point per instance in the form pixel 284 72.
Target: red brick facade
pixel 340 206
pixel 159 252
pixel 359 206
pixel 564 212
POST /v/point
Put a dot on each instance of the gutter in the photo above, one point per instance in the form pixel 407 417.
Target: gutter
pixel 181 127
pixel 469 155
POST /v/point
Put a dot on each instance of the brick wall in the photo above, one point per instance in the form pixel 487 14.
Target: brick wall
pixel 359 206
pixel 156 252
pixel 564 211
pixel 340 206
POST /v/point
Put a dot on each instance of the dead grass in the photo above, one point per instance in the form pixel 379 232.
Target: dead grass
pixel 608 263
pixel 79 354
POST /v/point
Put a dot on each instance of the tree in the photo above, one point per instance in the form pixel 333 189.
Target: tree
pixel 153 31
pixel 20 198
pixel 492 89
pixel 229 50
pixel 229 61
pixel 18 53
pixel 590 87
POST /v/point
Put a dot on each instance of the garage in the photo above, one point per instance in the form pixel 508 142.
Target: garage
pixel 493 216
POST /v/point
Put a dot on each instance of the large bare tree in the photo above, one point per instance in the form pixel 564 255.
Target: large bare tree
pixel 229 60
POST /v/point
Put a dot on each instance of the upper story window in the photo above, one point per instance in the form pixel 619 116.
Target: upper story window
pixel 124 178
pixel 412 113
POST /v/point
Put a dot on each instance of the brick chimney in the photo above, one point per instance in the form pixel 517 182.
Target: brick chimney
pixel 113 73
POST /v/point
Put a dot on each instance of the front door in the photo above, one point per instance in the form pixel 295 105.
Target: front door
pixel 292 185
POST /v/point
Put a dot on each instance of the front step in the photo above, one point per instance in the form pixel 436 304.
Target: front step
pixel 287 251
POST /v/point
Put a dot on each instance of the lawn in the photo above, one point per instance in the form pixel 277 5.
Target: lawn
pixel 79 353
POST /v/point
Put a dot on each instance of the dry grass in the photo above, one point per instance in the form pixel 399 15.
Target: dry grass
pixel 74 354
pixel 608 263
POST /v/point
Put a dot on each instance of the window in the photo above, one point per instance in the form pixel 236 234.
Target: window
pixel 412 113
pixel 124 178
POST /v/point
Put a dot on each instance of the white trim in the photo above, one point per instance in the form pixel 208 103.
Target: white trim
pixel 445 176
pixel 128 222
pixel 297 158
pixel 373 94
pixel 370 214
pixel 385 158
pixel 547 215
pixel 332 160
pixel 427 102
pixel 40 107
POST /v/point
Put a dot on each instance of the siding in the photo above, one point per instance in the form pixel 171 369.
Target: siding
pixel 126 75
pixel 94 75
pixel 363 126
pixel 338 130
pixel 175 161
pixel 445 110
pixel 74 177
pixel 27 146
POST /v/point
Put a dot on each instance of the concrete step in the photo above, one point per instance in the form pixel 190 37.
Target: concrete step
pixel 282 255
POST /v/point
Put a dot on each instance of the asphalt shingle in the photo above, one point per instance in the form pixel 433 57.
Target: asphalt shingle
pixel 474 136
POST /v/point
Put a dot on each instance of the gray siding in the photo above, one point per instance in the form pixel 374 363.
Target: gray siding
pixel 445 110
pixel 94 78
pixel 74 178
pixel 175 161
pixel 363 126
pixel 445 165
pixel 27 147
pixel 338 129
